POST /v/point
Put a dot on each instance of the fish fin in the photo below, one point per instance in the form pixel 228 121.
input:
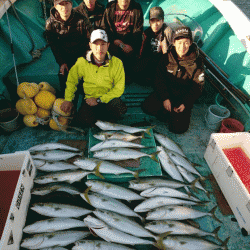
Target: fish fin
pixel 193 187
pixel 212 211
pixel 136 173
pixel 215 232
pixel 153 156
pixel 96 170
pixel 86 194
pixel 193 223
pixel 159 242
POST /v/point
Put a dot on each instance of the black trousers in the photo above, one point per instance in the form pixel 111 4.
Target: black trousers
pixel 178 122
pixel 111 111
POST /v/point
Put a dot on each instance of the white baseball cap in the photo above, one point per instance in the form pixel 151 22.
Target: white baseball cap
pixel 99 34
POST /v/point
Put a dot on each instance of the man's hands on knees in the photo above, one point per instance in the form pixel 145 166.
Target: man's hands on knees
pixel 91 101
pixel 66 106
pixel 63 69
pixel 167 105
pixel 180 108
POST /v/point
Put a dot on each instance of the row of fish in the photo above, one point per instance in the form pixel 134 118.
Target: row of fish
pixel 165 205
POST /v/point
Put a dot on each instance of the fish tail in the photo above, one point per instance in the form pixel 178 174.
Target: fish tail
pixel 224 243
pixel 212 212
pixel 86 194
pixel 148 131
pixel 215 232
pixel 159 241
pixel 97 170
pixel 153 156
pixel 136 173
pixel 208 194
pixel 192 185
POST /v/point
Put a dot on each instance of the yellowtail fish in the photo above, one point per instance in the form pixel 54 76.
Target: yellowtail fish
pixel 123 223
pixel 115 135
pixel 119 127
pixel 111 234
pixel 160 201
pixel 113 190
pixel 56 166
pixel 98 245
pixel 59 210
pixel 53 225
pixel 178 228
pixel 104 167
pixel 101 201
pixel 52 146
pixel 188 243
pixel 168 165
pixel 54 155
pixel 68 176
pixel 168 143
pixel 115 144
pixel 178 213
pixel 118 154
pixel 61 238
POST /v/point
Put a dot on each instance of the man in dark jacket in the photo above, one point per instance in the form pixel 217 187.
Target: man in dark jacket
pixel 156 40
pixel 92 10
pixel 123 21
pixel 179 82
pixel 68 35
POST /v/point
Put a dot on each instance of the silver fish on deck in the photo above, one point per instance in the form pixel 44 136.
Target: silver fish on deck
pixel 63 187
pixel 104 167
pixel 55 155
pixel 182 161
pixel 98 245
pixel 61 238
pixel 177 228
pixel 123 223
pixel 166 191
pixel 101 201
pixel 53 248
pixel 188 243
pixel 160 201
pixel 59 210
pixel 190 178
pixel 111 234
pixel 115 144
pixel 113 190
pixel 119 127
pixel 56 166
pixel 168 143
pixel 118 154
pixel 52 225
pixel 143 184
pixel 68 176
pixel 168 165
pixel 52 146
pixel 116 135
pixel 178 213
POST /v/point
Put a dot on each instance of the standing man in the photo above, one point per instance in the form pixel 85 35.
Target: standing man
pixel 67 33
pixel 156 40
pixel 179 82
pixel 103 83
pixel 92 10
pixel 123 21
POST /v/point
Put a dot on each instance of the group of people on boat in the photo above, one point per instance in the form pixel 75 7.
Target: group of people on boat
pixel 101 50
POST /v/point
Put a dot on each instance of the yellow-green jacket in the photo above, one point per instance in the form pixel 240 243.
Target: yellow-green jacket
pixel 105 82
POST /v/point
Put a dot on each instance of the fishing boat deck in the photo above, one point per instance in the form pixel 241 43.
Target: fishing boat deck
pixel 193 143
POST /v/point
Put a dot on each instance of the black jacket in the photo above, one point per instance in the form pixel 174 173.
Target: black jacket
pixel 95 16
pixel 134 36
pixel 180 79
pixel 67 39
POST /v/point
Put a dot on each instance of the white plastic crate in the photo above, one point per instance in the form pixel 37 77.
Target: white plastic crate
pixel 231 185
pixel 12 233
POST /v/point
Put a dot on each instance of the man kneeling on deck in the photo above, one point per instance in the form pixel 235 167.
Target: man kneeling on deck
pixel 103 83
pixel 179 82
